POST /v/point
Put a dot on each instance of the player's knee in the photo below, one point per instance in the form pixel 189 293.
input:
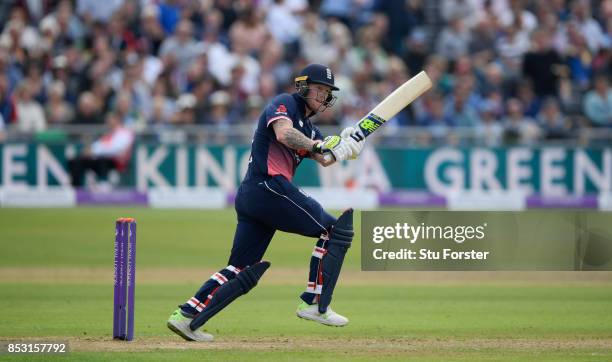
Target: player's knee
pixel 342 230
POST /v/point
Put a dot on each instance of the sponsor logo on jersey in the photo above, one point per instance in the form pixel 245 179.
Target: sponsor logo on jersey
pixel 281 109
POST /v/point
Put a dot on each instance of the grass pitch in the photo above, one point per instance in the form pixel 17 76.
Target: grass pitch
pixel 56 279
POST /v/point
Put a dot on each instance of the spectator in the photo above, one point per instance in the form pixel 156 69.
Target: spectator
pixel 30 114
pixel 581 12
pixel 213 24
pixel 125 110
pixel 465 9
pixel 169 15
pixel 578 56
pixel 7 106
pixel 185 110
pixel 282 22
pixel 313 39
pixel 489 130
pixel 454 39
pixel 402 17
pixel 88 110
pixel 111 151
pixel 220 59
pixel 369 53
pixel 598 102
pixel 57 109
pixel 483 40
pixel 519 16
pixel 493 80
pixel 120 37
pixel 9 70
pixel 202 91
pixel 340 9
pixel 71 29
pixel 104 94
pixel 68 69
pixel 253 109
pixel 271 62
pixel 416 51
pixel 531 103
pixel 110 57
pixel 161 114
pixel 220 109
pixel 249 33
pixel 518 128
pixel 435 119
pixel 511 47
pixel 151 32
pixel 96 10
pixel 551 24
pixel 459 110
pixel 543 65
pixel 554 124
pixel 181 48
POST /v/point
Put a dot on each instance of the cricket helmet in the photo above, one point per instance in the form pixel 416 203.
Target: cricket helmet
pixel 315 73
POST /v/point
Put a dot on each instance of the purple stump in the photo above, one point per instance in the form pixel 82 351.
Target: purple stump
pixel 131 279
pixel 124 266
pixel 125 278
pixel 116 311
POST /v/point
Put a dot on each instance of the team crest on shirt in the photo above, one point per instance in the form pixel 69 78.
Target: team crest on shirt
pixel 281 110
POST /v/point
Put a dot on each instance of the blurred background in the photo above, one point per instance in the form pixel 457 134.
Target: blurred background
pixel 522 97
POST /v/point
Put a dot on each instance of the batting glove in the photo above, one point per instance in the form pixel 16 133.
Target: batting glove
pixel 352 132
pixel 335 145
pixel 355 140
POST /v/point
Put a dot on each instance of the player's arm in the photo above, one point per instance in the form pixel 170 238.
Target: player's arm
pixel 294 139
pixel 322 160
pixel 291 137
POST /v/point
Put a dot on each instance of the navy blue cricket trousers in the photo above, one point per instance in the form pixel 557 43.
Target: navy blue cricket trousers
pixel 266 206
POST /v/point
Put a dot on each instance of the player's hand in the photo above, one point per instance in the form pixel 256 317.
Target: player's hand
pixel 355 140
pixel 335 145
pixel 326 145
pixel 353 133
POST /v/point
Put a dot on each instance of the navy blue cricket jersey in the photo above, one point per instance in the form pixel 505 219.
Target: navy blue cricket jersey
pixel 270 157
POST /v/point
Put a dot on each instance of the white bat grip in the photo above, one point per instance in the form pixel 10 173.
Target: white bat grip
pixel 328 157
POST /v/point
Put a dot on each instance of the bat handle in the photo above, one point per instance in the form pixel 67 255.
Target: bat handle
pixel 328 157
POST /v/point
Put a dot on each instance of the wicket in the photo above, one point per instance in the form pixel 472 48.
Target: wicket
pixel 125 278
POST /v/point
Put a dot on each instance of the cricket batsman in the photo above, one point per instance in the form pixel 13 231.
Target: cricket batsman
pixel 267 201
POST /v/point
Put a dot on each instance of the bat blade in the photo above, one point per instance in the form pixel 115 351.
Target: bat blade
pixel 392 104
pixel 395 102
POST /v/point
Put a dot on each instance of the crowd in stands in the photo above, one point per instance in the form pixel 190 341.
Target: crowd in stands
pixel 513 71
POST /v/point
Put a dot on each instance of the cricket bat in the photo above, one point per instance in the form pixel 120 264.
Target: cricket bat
pixel 392 104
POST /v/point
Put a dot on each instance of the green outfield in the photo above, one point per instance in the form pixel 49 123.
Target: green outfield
pixel 56 273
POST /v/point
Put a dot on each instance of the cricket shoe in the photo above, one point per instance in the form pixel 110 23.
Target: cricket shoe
pixel 329 318
pixel 179 324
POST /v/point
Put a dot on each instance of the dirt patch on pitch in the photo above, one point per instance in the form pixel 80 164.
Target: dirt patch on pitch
pixel 297 276
pixel 354 345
